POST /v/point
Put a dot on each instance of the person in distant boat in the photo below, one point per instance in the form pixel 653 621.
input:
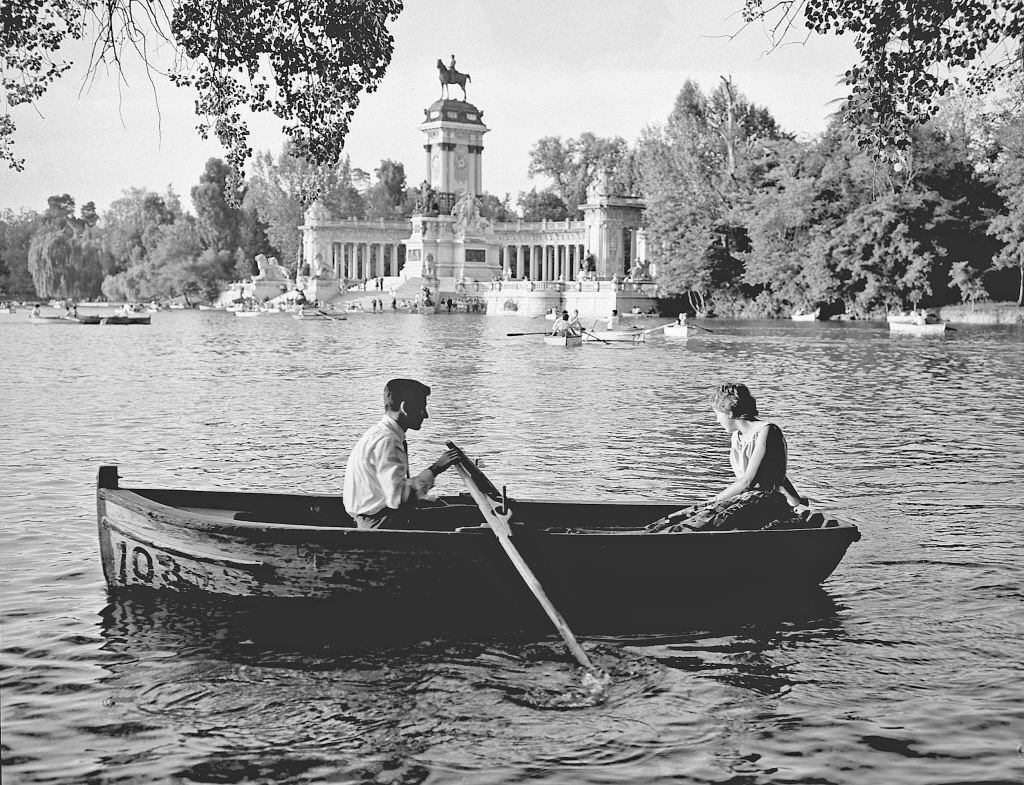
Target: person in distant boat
pixel 378 491
pixel 575 324
pixel 681 320
pixel 36 312
pixel 761 494
pixel 563 326
pixel 613 320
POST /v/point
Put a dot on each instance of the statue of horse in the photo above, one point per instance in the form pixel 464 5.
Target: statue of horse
pixel 449 76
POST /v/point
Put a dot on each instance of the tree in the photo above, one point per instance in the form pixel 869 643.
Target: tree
pixel 65 255
pixel 132 226
pixel 1008 225
pixel 496 209
pixel 885 251
pixel 306 63
pixel 281 190
pixel 573 163
pixel 543 205
pixel 15 237
pixel 386 198
pixel 907 51
pixel 699 170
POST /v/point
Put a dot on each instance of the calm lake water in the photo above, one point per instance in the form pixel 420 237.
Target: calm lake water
pixel 906 667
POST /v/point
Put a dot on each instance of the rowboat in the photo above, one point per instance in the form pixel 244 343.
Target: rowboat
pixel 54 319
pixel 806 316
pixel 594 559
pixel 563 340
pixel 626 335
pixel 677 331
pixel 126 318
pixel 915 323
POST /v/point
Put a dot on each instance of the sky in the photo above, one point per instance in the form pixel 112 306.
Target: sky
pixel 538 68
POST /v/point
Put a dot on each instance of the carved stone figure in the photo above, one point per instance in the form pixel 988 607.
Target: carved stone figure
pixel 427 202
pixel 468 219
pixel 269 269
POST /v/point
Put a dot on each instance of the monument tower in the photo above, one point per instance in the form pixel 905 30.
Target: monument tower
pixel 451 245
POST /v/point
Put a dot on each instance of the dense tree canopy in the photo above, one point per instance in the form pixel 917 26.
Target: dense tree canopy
pixel 572 164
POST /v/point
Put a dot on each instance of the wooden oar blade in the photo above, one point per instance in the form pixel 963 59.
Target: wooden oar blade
pixel 499 524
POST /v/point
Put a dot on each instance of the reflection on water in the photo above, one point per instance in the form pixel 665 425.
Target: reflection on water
pixel 903 669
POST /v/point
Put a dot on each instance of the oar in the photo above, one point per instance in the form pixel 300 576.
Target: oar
pixel 512 335
pixel 596 338
pixel 499 525
pixel 655 329
pixel 706 329
pixel 334 318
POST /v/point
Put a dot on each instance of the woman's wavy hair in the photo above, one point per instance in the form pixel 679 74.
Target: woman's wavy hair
pixel 734 400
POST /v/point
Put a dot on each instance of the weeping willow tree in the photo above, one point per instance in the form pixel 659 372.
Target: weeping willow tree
pixel 66 256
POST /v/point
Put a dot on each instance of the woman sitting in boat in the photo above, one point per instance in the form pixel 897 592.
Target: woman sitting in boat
pixel 761 496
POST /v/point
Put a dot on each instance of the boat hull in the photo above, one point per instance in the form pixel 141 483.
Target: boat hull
pixel 53 320
pixel 615 336
pixel 238 545
pixel 563 340
pixel 124 319
pixel 912 328
pixel 680 331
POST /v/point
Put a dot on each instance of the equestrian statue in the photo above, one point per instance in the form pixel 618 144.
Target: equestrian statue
pixel 447 75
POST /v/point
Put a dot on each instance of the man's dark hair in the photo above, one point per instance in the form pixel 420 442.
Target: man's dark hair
pixel 398 390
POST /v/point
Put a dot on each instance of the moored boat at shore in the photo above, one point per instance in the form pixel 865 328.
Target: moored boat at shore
pixel 594 559
pixel 915 323
pixel 806 316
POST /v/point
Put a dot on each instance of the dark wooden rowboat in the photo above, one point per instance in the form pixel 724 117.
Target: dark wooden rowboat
pixel 593 559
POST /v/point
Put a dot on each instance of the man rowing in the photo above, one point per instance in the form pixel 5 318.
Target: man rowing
pixel 378 491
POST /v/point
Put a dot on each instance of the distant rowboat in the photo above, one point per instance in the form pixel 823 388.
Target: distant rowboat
pixel 915 323
pixel 680 331
pixel 631 335
pixel 54 320
pixel 806 316
pixel 126 318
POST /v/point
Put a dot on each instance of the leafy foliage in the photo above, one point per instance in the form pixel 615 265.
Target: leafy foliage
pixel 543 205
pixel 281 189
pixel 908 52
pixel 65 253
pixel 306 63
pixel 387 198
pixel 698 171
pixel 573 163
pixel 16 231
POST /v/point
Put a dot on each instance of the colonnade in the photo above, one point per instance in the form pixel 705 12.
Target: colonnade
pixel 541 261
pixel 358 261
